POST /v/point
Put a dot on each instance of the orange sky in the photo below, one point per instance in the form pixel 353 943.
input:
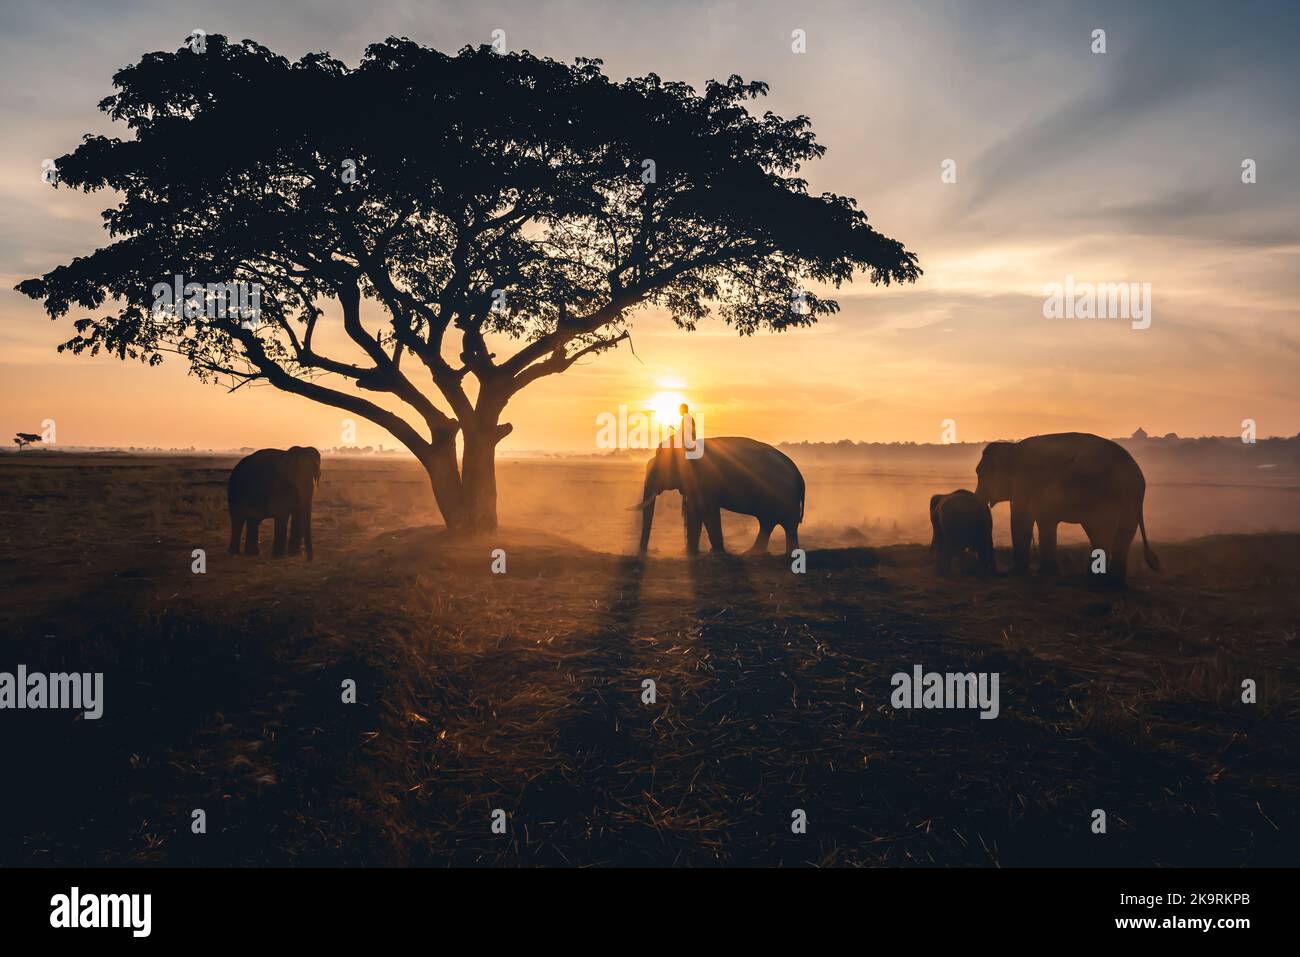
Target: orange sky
pixel 1123 168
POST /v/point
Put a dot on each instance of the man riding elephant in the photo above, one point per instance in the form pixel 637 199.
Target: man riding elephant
pixel 732 473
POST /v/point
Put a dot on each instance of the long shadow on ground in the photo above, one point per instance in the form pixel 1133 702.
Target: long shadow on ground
pixel 525 693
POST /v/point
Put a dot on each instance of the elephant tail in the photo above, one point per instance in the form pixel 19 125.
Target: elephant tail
pixel 802 490
pixel 1152 561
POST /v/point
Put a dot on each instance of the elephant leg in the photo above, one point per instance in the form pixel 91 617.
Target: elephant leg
pixel 1117 567
pixel 236 526
pixel 1046 547
pixel 1022 535
pixel 250 543
pixel 281 526
pixel 988 563
pixel 713 525
pixel 295 532
pixel 765 527
pixel 1098 530
pixel 1102 528
pixel 693 526
pixel 791 529
pixel 987 557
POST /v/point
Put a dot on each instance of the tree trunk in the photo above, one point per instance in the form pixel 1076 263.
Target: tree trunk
pixel 444 478
pixel 479 476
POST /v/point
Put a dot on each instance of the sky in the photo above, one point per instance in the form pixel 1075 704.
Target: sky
pixel 986 136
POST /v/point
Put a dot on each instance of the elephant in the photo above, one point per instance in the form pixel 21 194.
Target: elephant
pixel 738 474
pixel 273 483
pixel 961 520
pixel 1067 477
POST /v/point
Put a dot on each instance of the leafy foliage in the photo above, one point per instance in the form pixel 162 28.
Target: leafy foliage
pixel 481 180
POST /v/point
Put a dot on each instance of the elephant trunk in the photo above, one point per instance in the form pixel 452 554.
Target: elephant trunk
pixel 647 519
pixel 306 528
pixel 647 507
pixel 300 524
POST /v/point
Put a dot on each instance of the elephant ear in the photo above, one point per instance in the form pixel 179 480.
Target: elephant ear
pixel 309 457
pixel 994 455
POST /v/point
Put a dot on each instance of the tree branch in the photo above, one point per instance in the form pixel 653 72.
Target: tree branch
pixel 558 362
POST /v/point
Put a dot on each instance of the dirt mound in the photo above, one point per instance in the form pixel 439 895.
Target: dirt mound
pixel 436 541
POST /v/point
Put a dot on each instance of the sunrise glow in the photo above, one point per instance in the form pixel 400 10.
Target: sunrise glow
pixel 665 406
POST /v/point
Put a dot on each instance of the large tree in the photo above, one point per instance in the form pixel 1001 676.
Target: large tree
pixel 470 202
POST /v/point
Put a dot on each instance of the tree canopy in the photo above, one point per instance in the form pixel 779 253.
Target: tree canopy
pixel 475 199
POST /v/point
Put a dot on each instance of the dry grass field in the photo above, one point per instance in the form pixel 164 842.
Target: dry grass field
pixel 522 691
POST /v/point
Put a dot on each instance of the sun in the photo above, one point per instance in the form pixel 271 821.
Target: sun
pixel 665 406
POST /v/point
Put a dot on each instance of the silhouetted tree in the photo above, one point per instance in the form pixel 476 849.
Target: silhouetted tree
pixel 24 439
pixel 469 201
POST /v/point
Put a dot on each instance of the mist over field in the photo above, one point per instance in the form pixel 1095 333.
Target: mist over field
pixel 877 495
pixel 866 495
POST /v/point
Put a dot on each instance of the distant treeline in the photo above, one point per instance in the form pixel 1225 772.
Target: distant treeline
pixel 1169 450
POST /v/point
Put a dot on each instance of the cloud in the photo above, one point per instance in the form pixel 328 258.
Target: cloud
pixel 1116 167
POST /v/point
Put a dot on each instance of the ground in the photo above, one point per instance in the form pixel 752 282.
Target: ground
pixel 523 691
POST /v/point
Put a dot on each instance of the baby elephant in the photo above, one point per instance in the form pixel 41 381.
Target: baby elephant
pixel 961 520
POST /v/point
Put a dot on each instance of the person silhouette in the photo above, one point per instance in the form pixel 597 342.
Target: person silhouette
pixel 687 431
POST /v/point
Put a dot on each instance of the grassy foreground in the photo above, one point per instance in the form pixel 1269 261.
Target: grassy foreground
pixel 523 692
